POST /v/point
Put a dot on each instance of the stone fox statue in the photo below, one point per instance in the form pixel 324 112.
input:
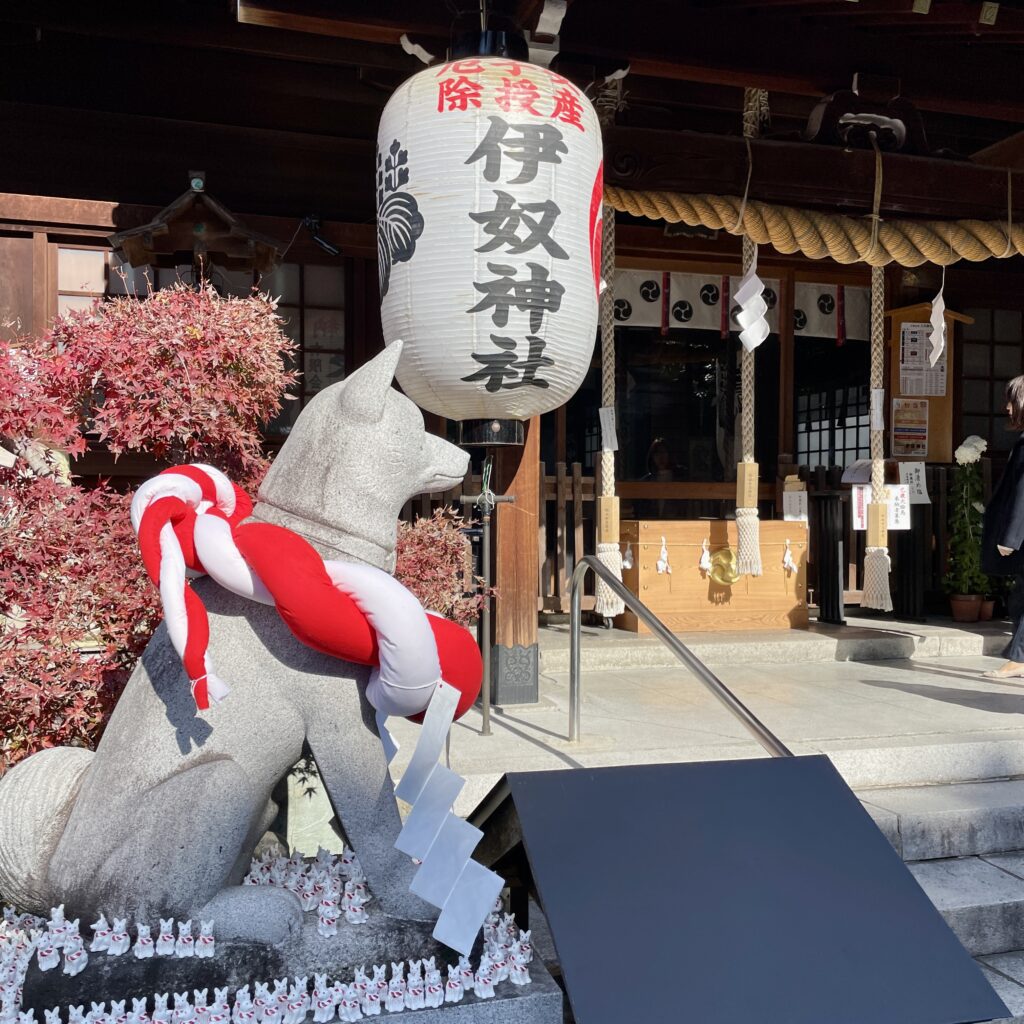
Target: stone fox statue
pixel 163 817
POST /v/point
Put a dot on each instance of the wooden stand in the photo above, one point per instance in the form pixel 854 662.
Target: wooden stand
pixel 688 600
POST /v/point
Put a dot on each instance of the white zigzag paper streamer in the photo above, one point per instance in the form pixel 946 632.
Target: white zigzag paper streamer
pixel 937 337
pixel 753 309
pixel 448 877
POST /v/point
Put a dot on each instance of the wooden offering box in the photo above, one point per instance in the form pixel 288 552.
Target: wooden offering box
pixel 687 599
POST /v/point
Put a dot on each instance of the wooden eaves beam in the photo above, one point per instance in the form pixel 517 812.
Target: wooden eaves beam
pixel 806 175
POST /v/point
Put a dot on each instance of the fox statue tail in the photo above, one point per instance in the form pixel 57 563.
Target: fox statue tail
pixel 36 798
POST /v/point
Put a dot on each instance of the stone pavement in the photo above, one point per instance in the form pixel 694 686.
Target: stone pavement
pixel 908 721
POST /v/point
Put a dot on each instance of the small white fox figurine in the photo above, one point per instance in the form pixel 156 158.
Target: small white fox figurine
pixel 165 939
pixel 100 935
pixel 453 990
pixel 185 945
pixel 144 945
pixel 205 945
pixel 75 956
pixel 119 941
pixel 47 954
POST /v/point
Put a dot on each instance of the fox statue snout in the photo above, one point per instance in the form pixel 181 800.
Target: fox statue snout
pixel 163 817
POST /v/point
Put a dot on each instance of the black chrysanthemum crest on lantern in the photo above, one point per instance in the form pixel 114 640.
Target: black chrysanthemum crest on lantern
pixel 399 222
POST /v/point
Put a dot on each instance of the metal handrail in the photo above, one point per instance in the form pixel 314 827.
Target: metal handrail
pixel 732 703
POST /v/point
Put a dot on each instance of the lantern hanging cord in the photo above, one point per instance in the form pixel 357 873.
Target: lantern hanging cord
pixel 1008 251
pixel 746 189
pixel 827 236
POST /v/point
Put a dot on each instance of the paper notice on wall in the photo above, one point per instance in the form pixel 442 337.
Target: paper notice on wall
pixel 794 506
pixel 910 427
pixel 609 441
pixel 917 375
pixel 897 506
pixel 912 474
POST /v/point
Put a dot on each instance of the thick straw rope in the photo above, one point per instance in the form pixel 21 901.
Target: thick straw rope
pixel 606 603
pixel 748 554
pixel 820 235
pixel 876 559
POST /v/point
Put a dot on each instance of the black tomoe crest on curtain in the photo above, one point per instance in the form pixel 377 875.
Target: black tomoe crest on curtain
pixel 682 311
pixel 399 221
pixel 650 291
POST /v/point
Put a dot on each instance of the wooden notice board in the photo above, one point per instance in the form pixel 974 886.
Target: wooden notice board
pixel 919 417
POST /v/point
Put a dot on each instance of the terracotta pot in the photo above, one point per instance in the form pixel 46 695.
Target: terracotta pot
pixel 965 607
pixel 987 610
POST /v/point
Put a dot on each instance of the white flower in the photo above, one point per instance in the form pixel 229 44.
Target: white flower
pixel 978 507
pixel 971 450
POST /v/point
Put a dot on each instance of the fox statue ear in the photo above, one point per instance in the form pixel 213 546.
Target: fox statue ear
pixel 364 392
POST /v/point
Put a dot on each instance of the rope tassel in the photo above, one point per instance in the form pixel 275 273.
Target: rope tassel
pixel 877 566
pixel 606 602
pixel 748 553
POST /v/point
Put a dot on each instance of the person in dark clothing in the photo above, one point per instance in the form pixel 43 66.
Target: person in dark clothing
pixel 1002 536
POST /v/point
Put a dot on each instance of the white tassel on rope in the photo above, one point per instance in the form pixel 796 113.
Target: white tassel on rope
pixel 877 566
pixel 606 602
pixel 748 548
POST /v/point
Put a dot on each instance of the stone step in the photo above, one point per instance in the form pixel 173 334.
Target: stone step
pixel 913 761
pixel 1005 973
pixel 981 898
pixel 859 640
pixel 963 820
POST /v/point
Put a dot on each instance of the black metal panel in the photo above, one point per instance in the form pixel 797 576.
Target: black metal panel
pixel 827 551
pixel 910 566
pixel 755 890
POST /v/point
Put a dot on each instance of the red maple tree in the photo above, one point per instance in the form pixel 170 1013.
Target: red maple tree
pixel 183 374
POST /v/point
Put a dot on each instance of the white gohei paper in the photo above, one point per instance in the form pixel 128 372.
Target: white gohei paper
pixel 609 439
pixel 429 812
pixel 467 906
pixel 447 877
pixel 443 865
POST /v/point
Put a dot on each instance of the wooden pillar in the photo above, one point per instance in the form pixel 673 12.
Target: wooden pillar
pixel 787 366
pixel 514 662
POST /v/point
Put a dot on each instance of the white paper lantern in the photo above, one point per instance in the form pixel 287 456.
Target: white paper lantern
pixel 489 193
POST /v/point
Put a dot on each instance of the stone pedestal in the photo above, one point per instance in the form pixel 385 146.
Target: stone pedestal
pixel 515 675
pixel 380 941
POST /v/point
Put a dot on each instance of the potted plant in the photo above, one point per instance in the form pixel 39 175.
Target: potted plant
pixel 964 581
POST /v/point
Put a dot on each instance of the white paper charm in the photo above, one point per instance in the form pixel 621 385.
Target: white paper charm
pixel 609 439
pixel 705 556
pixel 751 314
pixel 627 556
pixel 937 338
pixel 662 565
pixel 788 564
